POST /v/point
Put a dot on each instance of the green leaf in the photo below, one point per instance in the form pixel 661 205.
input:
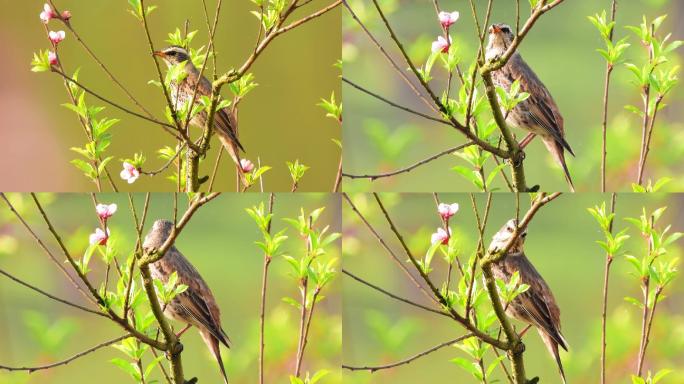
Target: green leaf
pixel 40 62
pixel 127 367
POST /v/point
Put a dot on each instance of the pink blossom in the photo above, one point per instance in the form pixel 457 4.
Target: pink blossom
pixel 56 37
pixel 441 235
pixel 130 173
pixel 246 165
pixel 47 14
pixel 99 237
pixel 447 210
pixel 105 211
pixel 66 15
pixel 441 44
pixel 447 18
pixel 52 58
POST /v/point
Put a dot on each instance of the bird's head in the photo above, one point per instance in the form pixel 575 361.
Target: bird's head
pixel 500 38
pixel 173 55
pixel 505 234
pixel 161 230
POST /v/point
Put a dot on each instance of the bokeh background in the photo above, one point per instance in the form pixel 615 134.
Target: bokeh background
pixel 562 50
pixel 561 243
pixel 279 120
pixel 219 241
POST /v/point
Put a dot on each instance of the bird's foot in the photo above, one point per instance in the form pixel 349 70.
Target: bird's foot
pixel 175 350
pixel 182 331
pixel 526 140
pixel 519 347
pixel 524 331
pixel 533 380
pixel 534 188
pixel 191 381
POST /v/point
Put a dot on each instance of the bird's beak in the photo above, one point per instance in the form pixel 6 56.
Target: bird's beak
pixel 159 53
pixel 495 29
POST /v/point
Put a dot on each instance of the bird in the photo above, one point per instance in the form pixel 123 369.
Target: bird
pixel 537 305
pixel 225 121
pixel 196 306
pixel 538 114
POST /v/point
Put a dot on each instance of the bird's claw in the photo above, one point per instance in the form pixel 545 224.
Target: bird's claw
pixel 533 380
pixel 191 381
pixel 518 160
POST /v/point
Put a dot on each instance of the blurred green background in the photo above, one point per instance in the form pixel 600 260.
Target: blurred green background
pixel 562 50
pixel 560 243
pixel 219 241
pixel 279 120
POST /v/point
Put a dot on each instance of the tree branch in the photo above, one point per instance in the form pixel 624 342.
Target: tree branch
pixel 157 254
pixel 435 291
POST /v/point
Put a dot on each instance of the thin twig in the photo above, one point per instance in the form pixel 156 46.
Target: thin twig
pixel 388 249
pixel 69 360
pixel 393 104
pixel 157 254
pixel 609 261
pixel 166 165
pixel 393 64
pixel 264 282
pixel 392 295
pixel 98 61
pixel 42 245
pixel 410 359
pixel 276 31
pixel 606 87
pixel 411 167
pixel 16 279
pixel 167 127
pixel 649 135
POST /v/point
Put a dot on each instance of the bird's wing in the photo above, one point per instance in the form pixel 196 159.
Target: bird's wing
pixel 198 301
pixel 540 104
pixel 224 122
pixel 538 301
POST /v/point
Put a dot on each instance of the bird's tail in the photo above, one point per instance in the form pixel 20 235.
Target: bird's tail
pixel 552 346
pixel 558 154
pixel 234 152
pixel 560 365
pixel 213 344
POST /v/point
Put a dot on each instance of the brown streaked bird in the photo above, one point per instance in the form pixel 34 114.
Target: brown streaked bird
pixel 536 306
pixel 196 306
pixel 181 94
pixel 538 114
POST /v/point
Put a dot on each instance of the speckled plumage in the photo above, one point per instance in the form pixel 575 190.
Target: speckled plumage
pixel 538 114
pixel 197 305
pixel 536 306
pixel 181 94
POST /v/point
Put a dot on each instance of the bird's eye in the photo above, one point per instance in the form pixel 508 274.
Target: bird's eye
pixel 172 53
pixel 509 229
pixel 506 30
